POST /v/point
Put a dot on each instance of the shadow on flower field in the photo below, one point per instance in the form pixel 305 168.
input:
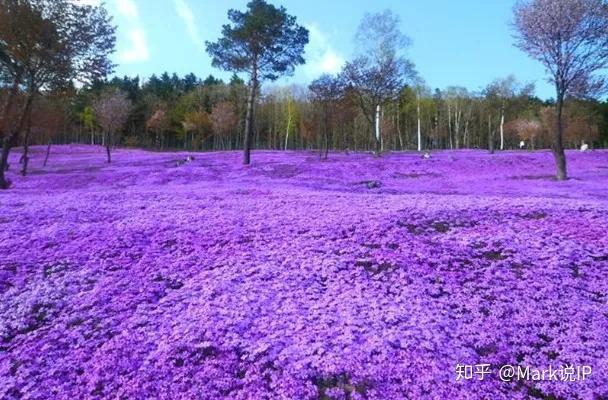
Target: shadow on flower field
pixel 295 278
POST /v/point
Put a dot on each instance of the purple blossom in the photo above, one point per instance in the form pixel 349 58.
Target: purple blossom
pixel 290 279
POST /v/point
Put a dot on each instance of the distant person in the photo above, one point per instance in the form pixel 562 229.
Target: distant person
pixel 522 145
pixel 584 147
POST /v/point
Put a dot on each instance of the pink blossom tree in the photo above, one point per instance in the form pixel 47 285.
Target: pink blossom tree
pixel 112 110
pixel 570 38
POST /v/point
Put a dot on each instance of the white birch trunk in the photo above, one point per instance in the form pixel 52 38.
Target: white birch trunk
pixel 419 130
pixel 378 123
pixel 287 132
pixel 502 132
pixel 450 126
pixel 399 132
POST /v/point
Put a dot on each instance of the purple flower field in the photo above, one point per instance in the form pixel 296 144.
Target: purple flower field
pixel 294 278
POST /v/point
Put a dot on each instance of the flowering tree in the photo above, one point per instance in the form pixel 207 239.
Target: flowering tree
pixel 112 111
pixel 570 38
pixel 527 130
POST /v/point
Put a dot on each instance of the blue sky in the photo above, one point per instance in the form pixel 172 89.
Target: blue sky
pixel 455 43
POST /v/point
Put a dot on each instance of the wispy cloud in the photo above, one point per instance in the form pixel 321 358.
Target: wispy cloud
pixel 185 13
pixel 136 50
pixel 321 57
pixel 132 42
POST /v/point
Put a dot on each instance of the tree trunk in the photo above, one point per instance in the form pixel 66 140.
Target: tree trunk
pixel 378 134
pixel 532 143
pixel 288 125
pixel 450 126
pixel 26 146
pixel 325 150
pixel 558 147
pixel 9 139
pixel 490 135
pixel 399 130
pixel 457 121
pixel 8 105
pixel 287 132
pixel 502 130
pixel 48 152
pixel 107 142
pixel 249 117
pixel 418 115
pixel 6 136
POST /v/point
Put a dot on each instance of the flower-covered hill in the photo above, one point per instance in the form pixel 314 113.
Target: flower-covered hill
pixel 354 278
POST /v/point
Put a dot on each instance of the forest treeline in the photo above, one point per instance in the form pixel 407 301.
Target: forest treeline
pixel 173 112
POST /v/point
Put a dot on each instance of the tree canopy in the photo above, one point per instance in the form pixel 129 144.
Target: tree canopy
pixel 264 39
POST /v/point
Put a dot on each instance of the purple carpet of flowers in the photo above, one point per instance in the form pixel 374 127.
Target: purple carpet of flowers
pixel 295 278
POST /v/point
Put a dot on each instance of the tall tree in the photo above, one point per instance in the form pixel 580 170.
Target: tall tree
pixel 264 42
pixel 570 38
pixel 381 69
pixel 420 90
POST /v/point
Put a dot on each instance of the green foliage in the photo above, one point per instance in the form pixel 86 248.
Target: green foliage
pixel 264 40
pixel 87 118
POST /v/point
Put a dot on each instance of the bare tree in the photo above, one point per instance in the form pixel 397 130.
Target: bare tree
pixel 570 38
pixel 112 110
pixel 326 92
pixel 381 70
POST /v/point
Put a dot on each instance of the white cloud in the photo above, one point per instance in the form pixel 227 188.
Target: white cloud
pixel 132 42
pixel 127 8
pixel 136 50
pixel 320 56
pixel 331 62
pixel 185 13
